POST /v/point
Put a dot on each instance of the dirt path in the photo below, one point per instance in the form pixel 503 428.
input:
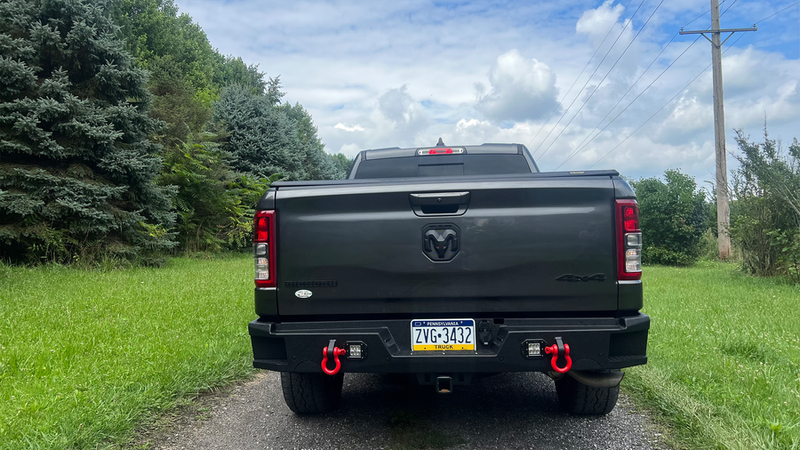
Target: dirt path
pixel 504 411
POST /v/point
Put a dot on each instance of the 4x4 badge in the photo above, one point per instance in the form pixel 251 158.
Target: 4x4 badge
pixel 577 278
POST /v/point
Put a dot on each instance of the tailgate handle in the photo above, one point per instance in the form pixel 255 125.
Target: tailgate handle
pixel 439 203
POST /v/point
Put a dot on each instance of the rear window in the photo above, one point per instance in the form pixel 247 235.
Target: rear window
pixel 442 166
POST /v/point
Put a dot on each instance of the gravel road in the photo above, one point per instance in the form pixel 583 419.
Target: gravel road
pixel 379 411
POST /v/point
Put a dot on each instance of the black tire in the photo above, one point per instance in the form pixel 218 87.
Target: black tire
pixel 312 393
pixel 577 398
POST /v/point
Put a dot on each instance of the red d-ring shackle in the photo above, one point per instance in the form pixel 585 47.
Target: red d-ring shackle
pixel 335 352
pixel 554 350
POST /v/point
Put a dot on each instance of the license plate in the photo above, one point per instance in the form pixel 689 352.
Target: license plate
pixel 442 334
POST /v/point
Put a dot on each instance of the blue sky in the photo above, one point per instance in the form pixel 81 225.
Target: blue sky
pixel 387 73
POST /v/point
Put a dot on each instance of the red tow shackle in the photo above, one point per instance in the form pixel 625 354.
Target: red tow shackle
pixel 553 349
pixel 334 352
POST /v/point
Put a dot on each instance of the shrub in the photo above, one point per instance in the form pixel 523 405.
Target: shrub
pixel 673 218
pixel 765 223
pixel 214 204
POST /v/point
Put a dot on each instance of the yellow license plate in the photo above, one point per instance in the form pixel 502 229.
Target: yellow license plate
pixel 442 334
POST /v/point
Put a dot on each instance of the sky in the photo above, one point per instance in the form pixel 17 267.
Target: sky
pixel 575 81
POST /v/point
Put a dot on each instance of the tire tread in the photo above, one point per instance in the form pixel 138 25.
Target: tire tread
pixel 579 399
pixel 311 393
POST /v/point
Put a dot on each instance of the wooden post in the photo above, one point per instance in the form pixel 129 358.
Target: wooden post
pixel 723 210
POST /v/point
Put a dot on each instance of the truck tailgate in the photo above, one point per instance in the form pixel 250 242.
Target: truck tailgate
pixel 524 245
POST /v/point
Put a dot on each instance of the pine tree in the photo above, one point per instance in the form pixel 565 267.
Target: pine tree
pixel 76 164
pixel 262 140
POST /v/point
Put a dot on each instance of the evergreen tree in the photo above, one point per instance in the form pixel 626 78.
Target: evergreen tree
pixel 266 137
pixel 317 163
pixel 343 165
pixel 76 164
pixel 262 140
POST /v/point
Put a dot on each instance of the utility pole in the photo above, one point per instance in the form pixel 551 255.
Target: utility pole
pixel 723 211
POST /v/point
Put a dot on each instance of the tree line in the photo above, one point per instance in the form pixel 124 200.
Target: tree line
pixel 679 223
pixel 125 135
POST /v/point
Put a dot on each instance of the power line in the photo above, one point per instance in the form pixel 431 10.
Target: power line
pixel 576 79
pixel 695 19
pixel 729 7
pixel 701 15
pixel 581 146
pixel 630 21
pixel 784 9
pixel 664 106
pixel 585 102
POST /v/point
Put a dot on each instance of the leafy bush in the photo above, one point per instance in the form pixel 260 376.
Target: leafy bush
pixel 76 164
pixel 765 219
pixel 673 218
pixel 214 204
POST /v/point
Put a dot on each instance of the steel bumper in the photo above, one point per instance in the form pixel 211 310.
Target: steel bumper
pixel 595 344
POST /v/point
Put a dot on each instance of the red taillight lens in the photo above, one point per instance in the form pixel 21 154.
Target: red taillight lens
pixel 629 240
pixel 264 248
pixel 261 227
pixel 630 217
pixel 629 212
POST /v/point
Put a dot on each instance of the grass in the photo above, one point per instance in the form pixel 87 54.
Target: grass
pixel 86 357
pixel 724 357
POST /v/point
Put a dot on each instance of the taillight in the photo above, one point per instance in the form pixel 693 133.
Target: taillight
pixel 629 240
pixel 264 248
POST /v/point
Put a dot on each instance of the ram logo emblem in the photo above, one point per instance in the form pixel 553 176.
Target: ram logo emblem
pixel 441 242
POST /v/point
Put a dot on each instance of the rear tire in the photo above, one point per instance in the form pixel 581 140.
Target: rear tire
pixel 580 399
pixel 312 393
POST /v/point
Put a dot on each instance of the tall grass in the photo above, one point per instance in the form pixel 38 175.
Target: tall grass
pixel 87 356
pixel 724 357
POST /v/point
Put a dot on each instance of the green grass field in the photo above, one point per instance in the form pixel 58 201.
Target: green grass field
pixel 86 357
pixel 724 357
pixel 89 357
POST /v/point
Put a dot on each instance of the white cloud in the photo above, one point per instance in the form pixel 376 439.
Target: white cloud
pixel 520 89
pixel 350 150
pixel 348 128
pixel 406 74
pixel 596 22
pixel 400 108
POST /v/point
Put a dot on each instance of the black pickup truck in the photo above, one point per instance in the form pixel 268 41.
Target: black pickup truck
pixel 448 263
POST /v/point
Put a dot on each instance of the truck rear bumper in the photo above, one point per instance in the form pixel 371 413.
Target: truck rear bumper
pixel 595 344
